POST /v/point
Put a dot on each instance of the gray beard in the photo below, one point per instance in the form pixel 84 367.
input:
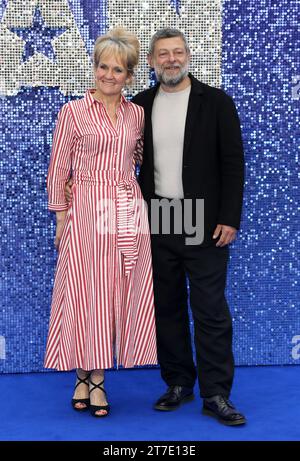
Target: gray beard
pixel 172 81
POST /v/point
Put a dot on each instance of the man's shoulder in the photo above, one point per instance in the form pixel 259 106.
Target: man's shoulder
pixel 141 98
pixel 210 91
pixel 218 93
pixel 214 96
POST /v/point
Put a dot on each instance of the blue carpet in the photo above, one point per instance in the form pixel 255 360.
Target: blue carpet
pixel 36 406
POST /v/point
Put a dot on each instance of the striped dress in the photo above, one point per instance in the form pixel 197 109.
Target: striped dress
pixel 102 310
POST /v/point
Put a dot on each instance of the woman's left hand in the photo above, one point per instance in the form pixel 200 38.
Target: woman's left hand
pixel 60 223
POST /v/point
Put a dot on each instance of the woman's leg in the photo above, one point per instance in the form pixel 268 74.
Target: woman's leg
pixel 82 390
pixel 97 396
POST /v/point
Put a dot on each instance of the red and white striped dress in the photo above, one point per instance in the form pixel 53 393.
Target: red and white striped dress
pixel 102 304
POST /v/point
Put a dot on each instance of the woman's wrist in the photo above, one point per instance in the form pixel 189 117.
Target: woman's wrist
pixel 60 216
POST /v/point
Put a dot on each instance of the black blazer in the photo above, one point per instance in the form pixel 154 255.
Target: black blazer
pixel 213 160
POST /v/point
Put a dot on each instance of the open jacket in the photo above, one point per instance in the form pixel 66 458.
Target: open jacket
pixel 213 160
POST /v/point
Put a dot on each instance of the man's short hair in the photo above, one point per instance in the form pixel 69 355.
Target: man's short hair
pixel 167 33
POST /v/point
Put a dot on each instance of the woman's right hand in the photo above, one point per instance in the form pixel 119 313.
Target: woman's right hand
pixel 60 224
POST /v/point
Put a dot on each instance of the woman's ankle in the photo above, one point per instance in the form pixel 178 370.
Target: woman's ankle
pixel 97 375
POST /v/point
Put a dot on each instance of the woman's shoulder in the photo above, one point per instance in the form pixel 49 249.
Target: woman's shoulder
pixel 71 108
pixel 138 110
pixel 138 115
pixel 78 103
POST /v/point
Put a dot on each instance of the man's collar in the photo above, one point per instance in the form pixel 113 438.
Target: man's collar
pixel 197 86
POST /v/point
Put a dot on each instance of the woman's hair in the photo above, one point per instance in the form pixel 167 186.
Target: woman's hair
pixel 122 44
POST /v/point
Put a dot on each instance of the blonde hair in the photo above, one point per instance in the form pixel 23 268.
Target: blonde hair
pixel 122 43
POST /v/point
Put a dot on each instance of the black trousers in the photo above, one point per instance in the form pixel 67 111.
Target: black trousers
pixel 206 269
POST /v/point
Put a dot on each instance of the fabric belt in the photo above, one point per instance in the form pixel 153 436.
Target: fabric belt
pixel 126 210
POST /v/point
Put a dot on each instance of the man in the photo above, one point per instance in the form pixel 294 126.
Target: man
pixel 192 151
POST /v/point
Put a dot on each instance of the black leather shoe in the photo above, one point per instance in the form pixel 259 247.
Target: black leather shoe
pixel 174 397
pixel 221 408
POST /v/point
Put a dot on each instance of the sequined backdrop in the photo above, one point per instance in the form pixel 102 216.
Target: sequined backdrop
pixel 251 49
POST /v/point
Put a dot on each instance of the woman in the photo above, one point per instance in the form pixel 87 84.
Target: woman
pixel 102 305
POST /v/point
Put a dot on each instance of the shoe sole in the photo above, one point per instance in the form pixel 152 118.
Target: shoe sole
pixel 99 416
pixel 239 422
pixel 186 399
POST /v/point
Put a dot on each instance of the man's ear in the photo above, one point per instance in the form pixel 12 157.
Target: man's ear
pixel 150 60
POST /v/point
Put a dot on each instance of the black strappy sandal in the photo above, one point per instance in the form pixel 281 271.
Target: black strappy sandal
pixel 86 402
pixel 95 408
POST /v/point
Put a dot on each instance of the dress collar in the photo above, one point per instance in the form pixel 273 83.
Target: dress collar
pixel 89 100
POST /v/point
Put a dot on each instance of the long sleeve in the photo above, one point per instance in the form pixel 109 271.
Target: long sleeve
pixel 138 153
pixel 60 161
pixel 231 162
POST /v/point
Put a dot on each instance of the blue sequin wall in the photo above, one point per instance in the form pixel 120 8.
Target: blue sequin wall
pixel 260 70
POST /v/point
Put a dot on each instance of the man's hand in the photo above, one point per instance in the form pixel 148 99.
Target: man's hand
pixel 68 190
pixel 60 223
pixel 228 234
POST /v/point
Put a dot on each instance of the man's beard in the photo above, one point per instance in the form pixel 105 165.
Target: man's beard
pixel 171 80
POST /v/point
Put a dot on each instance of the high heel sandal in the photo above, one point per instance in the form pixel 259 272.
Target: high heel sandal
pixel 86 402
pixel 95 408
